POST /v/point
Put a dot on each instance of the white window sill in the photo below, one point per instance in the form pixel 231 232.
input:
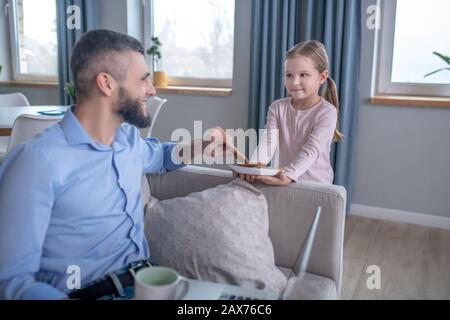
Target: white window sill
pixel 198 91
pixel 21 83
pixel 414 101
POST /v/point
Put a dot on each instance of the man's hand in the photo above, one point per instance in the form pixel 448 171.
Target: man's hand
pixel 279 180
pixel 216 142
pixel 219 143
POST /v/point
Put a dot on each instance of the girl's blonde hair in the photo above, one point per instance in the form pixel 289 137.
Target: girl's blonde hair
pixel 316 51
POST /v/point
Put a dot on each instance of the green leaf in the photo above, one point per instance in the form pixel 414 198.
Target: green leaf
pixel 154 50
pixel 443 57
pixel 70 89
pixel 436 71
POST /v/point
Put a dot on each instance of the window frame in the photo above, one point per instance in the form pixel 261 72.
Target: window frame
pixel 183 81
pixel 14 47
pixel 384 50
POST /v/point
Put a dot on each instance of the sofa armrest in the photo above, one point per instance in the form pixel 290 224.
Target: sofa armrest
pixel 291 210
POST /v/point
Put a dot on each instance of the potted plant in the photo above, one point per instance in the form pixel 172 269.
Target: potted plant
pixel 159 77
pixel 70 90
pixel 443 57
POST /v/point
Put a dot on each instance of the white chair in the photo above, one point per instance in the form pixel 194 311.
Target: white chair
pixel 154 105
pixel 26 126
pixel 15 99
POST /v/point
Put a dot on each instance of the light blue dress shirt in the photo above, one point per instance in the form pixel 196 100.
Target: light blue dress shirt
pixel 66 200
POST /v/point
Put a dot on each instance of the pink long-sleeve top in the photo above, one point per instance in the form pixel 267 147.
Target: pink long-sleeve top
pixel 304 139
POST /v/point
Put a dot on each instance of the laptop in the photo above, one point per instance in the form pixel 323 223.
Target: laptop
pixel 205 290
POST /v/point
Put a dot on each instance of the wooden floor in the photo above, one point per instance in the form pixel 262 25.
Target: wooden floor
pixel 414 261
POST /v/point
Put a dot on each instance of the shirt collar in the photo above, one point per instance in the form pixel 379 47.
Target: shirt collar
pixel 76 135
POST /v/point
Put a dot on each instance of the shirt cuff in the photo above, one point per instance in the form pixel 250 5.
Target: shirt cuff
pixel 172 160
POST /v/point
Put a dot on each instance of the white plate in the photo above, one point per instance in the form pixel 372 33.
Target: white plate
pixel 254 171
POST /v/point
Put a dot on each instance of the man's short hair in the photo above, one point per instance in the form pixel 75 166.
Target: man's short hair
pixel 99 51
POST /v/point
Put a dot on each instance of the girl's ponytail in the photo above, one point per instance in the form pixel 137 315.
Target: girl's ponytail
pixel 331 96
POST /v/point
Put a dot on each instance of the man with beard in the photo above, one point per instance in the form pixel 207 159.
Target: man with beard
pixel 70 198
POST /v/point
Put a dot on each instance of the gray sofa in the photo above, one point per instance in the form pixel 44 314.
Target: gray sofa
pixel 291 209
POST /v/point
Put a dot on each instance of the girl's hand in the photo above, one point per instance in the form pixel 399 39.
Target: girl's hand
pixel 246 177
pixel 279 180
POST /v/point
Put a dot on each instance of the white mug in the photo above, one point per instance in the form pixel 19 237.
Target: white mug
pixel 159 283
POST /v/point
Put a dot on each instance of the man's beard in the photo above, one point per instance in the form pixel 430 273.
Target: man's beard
pixel 130 110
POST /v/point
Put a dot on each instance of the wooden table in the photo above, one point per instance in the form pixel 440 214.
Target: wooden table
pixel 9 114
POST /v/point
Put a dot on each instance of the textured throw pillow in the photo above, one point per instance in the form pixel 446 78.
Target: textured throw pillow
pixel 220 235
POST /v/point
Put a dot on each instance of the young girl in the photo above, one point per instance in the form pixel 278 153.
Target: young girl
pixel 305 124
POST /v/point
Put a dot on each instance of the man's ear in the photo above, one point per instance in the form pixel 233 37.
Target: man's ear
pixel 105 83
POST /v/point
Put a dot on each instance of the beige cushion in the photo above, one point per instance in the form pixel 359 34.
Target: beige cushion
pixel 220 235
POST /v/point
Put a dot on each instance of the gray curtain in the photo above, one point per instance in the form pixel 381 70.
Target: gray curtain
pixel 279 24
pixel 68 37
pixel 274 31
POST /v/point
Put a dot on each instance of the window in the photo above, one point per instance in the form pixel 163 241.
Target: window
pixel 197 38
pixel 34 49
pixel 411 30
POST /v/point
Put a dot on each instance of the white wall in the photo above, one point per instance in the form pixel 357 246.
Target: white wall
pixel 36 95
pixel 113 15
pixel 403 153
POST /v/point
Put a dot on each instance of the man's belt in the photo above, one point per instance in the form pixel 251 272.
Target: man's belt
pixel 113 283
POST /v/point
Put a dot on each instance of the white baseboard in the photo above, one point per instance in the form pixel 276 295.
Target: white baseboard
pixel 422 219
